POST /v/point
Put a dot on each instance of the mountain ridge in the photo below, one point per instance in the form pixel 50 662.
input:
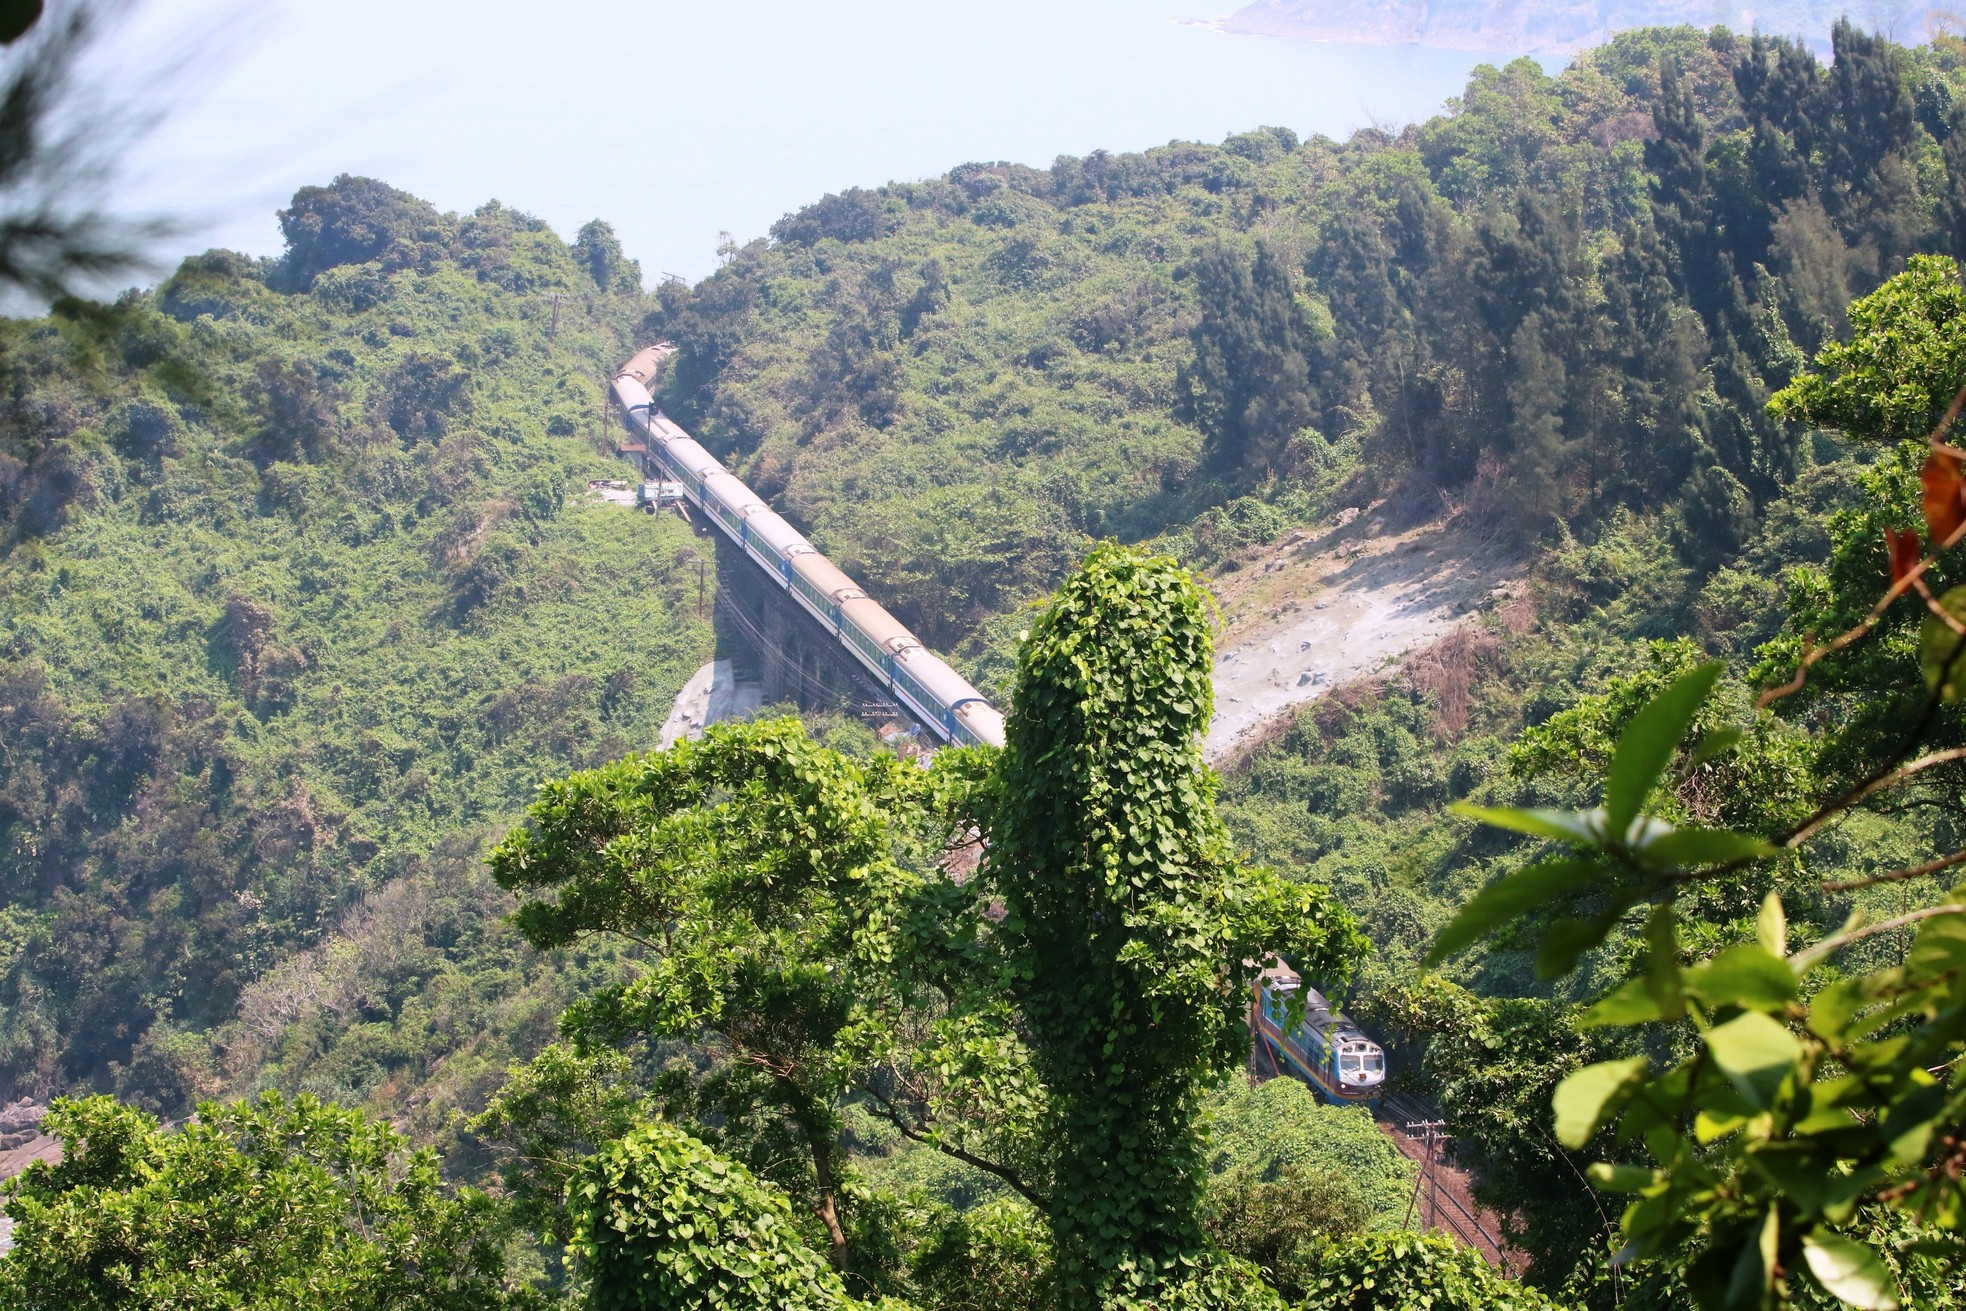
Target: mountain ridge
pixel 1548 27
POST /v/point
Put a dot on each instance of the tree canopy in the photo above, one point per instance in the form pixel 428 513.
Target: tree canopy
pixel 267 1204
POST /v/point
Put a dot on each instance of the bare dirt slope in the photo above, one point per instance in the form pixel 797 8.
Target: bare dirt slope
pixel 22 1144
pixel 1318 610
pixel 712 696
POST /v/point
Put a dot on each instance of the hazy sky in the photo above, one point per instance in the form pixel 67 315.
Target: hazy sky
pixel 678 119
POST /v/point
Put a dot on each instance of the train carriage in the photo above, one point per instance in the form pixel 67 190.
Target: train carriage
pixel 1322 1047
pixel 960 703
pixel 981 723
pixel 823 585
pixel 920 680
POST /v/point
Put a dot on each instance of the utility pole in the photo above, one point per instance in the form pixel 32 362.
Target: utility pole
pixel 553 332
pixel 1428 1176
pixel 702 568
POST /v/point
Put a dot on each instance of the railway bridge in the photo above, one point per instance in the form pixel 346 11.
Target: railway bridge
pixel 827 611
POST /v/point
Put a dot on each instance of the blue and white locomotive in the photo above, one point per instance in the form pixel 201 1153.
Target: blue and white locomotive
pixel 1322 1047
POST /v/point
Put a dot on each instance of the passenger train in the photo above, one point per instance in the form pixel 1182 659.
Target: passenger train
pixel 1322 1047
pixel 940 697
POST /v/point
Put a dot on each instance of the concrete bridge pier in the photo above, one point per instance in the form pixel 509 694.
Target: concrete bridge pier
pixel 773 643
pixel 770 652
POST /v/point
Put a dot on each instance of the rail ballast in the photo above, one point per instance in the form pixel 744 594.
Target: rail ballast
pixel 921 681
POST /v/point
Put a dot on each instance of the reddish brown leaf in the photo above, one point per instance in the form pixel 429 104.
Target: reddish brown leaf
pixel 1903 547
pixel 1945 493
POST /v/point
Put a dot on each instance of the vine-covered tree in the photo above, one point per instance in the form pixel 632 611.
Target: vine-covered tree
pixel 660 1221
pixel 1131 932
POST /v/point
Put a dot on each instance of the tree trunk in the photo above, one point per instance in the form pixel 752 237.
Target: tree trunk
pixel 829 1215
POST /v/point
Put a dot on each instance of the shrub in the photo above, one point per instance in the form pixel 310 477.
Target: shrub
pixel 661 1221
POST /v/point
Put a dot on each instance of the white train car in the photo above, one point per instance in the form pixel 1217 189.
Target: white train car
pixel 941 698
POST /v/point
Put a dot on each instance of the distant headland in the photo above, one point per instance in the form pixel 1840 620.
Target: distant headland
pixel 1563 27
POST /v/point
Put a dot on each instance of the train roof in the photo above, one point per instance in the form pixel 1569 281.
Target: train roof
pixel 1318 1014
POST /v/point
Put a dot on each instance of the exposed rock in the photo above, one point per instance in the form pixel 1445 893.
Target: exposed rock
pixel 713 696
pixel 23 1116
pixel 22 1144
pixel 1380 595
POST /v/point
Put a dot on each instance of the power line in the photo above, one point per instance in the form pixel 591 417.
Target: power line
pixel 809 682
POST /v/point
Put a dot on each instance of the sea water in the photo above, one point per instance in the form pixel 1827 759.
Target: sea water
pixel 681 120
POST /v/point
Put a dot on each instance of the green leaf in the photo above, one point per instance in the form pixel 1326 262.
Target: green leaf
pixel 1566 941
pixel 1940 947
pixel 1647 744
pixel 1508 897
pixel 1832 1010
pixel 1662 975
pixel 1771 926
pixel 1623 1178
pixel 1581 1099
pixel 1754 1269
pixel 1810 957
pixel 1558 825
pixel 1850 1270
pixel 1756 1053
pixel 1630 1003
pixel 1938 647
pixel 1744 976
pixel 1682 847
pixel 1909 1123
pixel 1714 745
pixel 1711 1125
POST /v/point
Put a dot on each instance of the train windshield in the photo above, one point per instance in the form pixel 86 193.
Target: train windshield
pixel 1362 1058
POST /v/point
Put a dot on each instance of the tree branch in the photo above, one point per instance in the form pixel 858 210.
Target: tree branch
pixel 1827 946
pixel 914 1134
pixel 1870 787
pixel 1899 875
pixel 1914 577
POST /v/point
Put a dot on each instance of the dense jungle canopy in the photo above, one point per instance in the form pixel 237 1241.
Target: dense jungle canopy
pixel 327 700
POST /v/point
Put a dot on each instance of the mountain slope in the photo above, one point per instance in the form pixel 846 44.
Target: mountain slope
pixel 301 596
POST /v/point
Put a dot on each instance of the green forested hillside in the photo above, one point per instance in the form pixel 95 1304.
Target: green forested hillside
pixel 1566 304
pixel 954 382
pixel 300 599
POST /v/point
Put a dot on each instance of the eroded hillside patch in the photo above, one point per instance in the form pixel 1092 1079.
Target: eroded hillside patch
pixel 1319 609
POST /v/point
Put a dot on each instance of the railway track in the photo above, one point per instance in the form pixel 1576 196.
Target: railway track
pixel 1443 1196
